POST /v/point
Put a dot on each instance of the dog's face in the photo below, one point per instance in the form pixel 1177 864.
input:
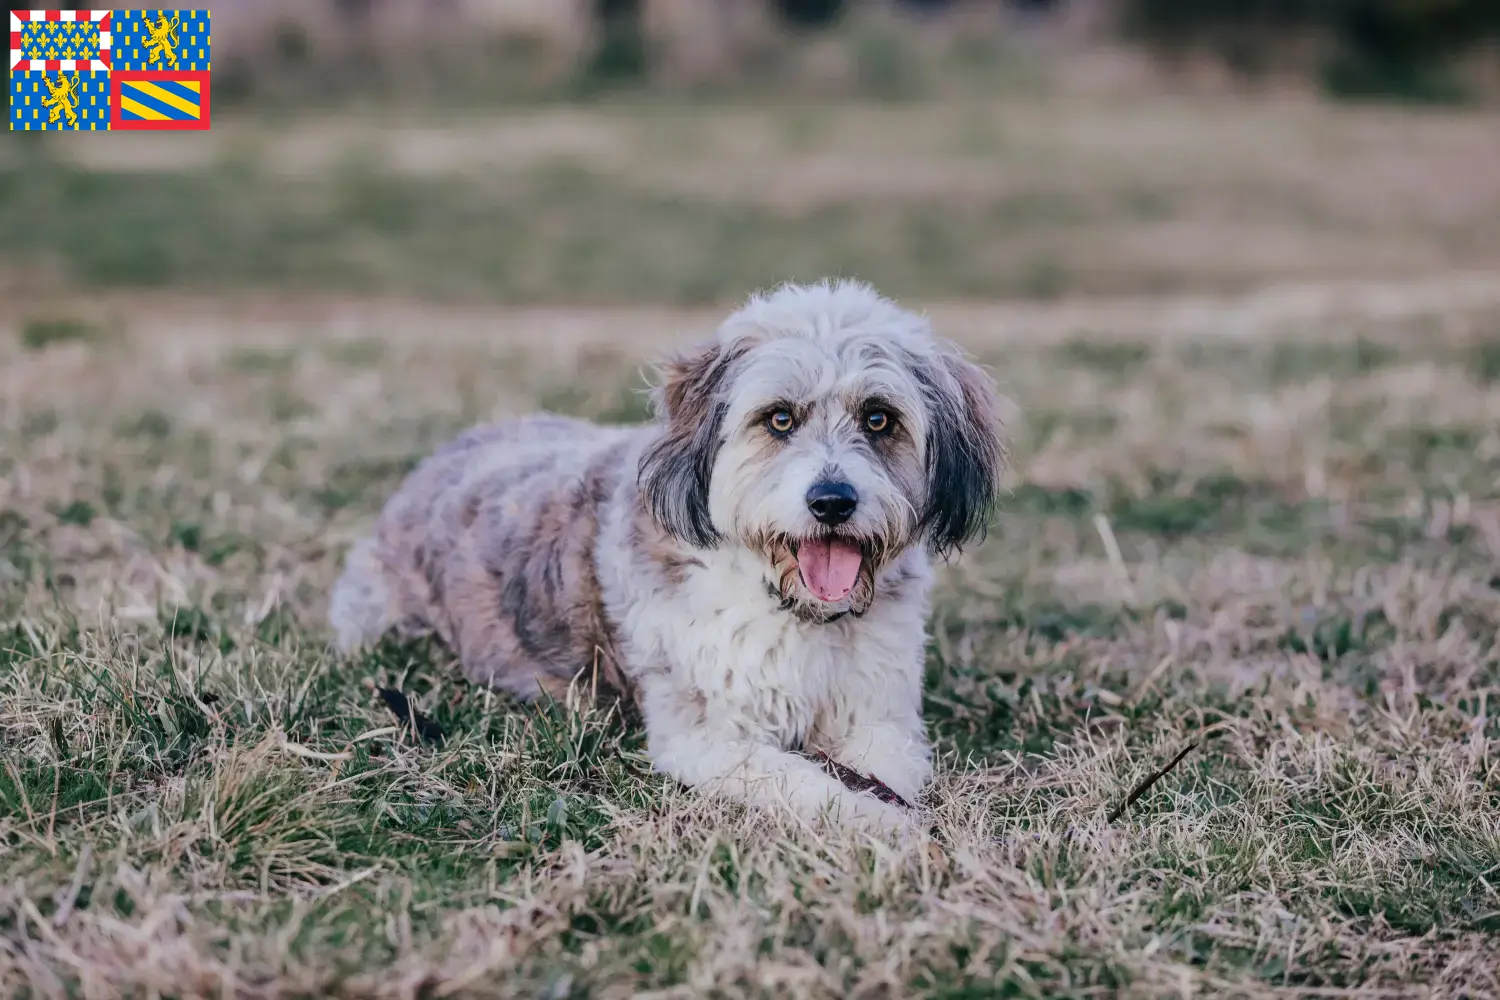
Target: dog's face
pixel 828 431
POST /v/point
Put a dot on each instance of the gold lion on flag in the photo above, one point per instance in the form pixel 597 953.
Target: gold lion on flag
pixel 64 99
pixel 163 39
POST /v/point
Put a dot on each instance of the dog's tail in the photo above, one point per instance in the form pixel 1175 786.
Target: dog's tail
pixel 360 607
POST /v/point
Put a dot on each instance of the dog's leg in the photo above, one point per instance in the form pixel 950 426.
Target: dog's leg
pixel 895 753
pixel 767 776
pixel 881 735
pixel 716 755
pixel 360 606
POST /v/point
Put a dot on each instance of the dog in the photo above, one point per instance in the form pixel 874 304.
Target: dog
pixel 751 572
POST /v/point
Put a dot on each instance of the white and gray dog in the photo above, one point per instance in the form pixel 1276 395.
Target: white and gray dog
pixel 751 572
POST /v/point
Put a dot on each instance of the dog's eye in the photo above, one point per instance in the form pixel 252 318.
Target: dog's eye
pixel 781 422
pixel 877 421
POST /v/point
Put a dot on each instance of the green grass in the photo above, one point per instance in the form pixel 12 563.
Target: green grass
pixel 1266 526
pixel 41 332
pixel 1485 359
pixel 522 241
pixel 683 202
pixel 195 791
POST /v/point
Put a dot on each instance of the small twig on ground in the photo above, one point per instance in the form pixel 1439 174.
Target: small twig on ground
pixel 857 782
pixel 1145 786
pixel 424 727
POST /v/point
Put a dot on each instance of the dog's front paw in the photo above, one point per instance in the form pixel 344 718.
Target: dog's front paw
pixel 865 812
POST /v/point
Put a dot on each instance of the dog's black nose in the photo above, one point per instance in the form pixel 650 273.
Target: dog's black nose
pixel 832 503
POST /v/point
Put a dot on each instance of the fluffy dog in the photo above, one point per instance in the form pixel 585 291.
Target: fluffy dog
pixel 751 572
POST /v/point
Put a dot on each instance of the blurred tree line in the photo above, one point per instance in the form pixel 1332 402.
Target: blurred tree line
pixel 292 52
pixel 1360 48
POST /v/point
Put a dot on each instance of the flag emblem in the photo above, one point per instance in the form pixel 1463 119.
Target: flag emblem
pixel 97 70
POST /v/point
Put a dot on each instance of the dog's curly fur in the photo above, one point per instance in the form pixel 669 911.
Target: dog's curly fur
pixel 661 562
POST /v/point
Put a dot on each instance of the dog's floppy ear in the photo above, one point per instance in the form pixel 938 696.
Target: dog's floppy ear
pixel 676 468
pixel 965 452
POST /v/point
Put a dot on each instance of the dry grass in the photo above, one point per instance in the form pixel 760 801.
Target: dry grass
pixel 198 798
pixel 1019 196
pixel 1267 524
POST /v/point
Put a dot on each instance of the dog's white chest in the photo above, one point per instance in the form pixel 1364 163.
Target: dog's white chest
pixel 757 666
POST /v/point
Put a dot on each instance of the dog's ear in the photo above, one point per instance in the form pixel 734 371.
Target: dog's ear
pixel 677 467
pixel 965 452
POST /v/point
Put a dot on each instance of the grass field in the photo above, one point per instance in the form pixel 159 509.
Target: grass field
pixel 642 204
pixel 1266 523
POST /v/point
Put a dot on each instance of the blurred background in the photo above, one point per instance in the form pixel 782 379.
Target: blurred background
pixel 1236 261
pixel 683 152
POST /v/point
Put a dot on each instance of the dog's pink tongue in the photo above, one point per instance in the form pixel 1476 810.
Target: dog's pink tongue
pixel 829 567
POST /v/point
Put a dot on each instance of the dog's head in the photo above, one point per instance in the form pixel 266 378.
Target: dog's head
pixel 828 430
